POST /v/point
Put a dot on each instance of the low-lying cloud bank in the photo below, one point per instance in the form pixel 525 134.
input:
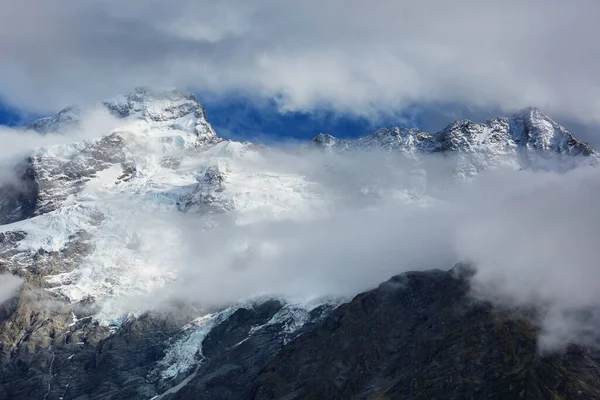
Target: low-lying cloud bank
pixel 533 236
pixel 540 248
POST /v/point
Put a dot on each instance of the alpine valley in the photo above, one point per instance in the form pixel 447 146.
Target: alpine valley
pixel 156 260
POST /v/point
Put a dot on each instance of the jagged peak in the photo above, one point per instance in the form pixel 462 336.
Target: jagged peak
pixel 529 128
pixel 167 107
pixel 324 138
pixel 528 113
pixel 156 104
pixel 152 93
pixel 461 123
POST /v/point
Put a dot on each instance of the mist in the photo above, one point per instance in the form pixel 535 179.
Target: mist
pixel 532 237
pixel 18 143
pixel 9 285
pixel 356 220
pixel 539 247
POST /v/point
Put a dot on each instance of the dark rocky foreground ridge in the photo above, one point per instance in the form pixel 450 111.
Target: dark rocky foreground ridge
pixel 419 335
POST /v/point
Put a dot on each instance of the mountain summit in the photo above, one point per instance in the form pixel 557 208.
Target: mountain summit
pixel 159 109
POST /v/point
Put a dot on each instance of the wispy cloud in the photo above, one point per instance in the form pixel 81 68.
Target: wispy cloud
pixel 9 285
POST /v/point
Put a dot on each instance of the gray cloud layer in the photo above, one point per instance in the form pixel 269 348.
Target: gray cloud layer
pixel 362 57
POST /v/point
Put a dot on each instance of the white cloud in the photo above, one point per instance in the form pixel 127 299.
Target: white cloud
pixel 539 247
pixel 354 56
pixel 532 236
pixel 9 284
pixel 18 143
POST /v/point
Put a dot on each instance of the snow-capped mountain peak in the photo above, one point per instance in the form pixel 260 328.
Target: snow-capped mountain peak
pixel 526 132
pixel 159 160
pixel 171 109
pixel 157 110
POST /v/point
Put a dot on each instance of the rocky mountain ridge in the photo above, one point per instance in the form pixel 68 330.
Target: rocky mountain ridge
pixel 530 129
pixel 528 140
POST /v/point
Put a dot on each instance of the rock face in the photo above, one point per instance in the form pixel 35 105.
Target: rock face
pixel 47 354
pixel 420 336
pixel 19 196
pixel 69 227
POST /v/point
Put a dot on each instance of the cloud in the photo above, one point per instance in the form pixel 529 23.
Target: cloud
pixel 538 247
pixel 9 284
pixel 347 55
pixel 18 143
pixel 532 237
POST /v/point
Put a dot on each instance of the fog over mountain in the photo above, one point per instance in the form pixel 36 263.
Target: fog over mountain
pixel 142 255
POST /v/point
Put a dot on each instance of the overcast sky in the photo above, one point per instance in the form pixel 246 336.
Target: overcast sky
pixel 358 57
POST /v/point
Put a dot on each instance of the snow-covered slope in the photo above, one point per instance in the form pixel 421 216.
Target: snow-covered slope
pixel 64 119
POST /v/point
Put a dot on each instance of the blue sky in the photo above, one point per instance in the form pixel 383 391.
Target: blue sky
pixel 10 117
pixel 259 120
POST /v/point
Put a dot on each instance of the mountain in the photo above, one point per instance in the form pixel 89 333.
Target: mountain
pixel 530 130
pixel 420 336
pixel 66 118
pixel 99 226
pixel 51 175
pixel 522 141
